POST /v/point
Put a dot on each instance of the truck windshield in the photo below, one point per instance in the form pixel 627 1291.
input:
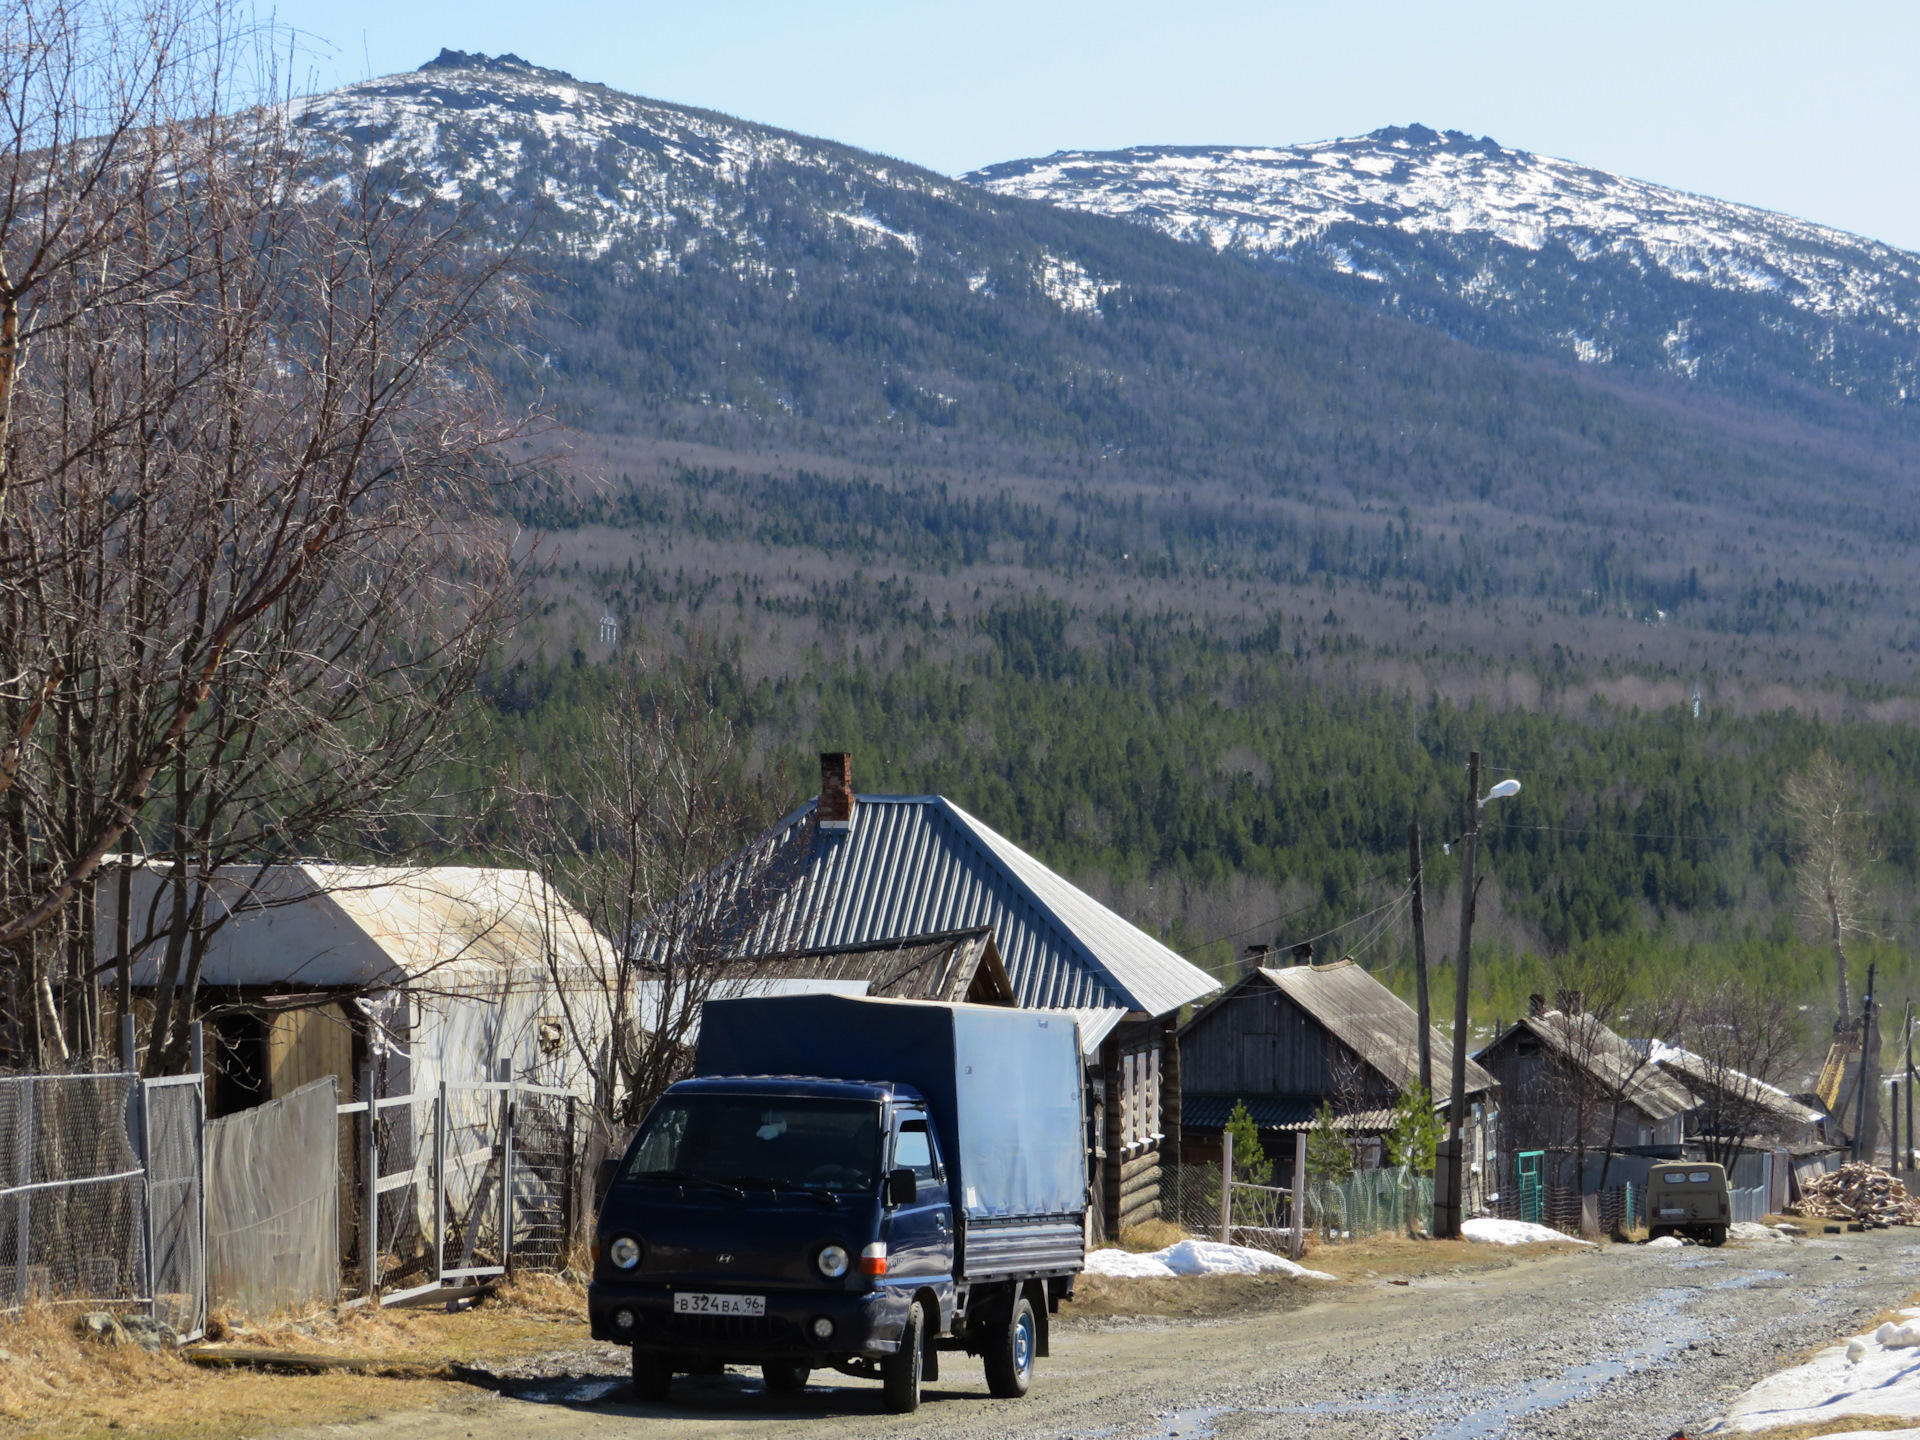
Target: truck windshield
pixel 759 1144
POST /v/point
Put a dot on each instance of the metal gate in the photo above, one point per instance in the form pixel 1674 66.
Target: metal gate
pixel 172 1116
pixel 1531 1184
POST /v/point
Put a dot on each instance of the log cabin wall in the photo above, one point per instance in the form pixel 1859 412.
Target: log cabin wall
pixel 1133 1126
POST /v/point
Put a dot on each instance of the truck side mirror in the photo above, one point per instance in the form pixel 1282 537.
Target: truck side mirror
pixel 903 1187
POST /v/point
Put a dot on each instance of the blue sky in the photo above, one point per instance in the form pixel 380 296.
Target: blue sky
pixel 1811 109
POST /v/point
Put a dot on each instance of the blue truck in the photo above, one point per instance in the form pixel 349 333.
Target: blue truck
pixel 851 1184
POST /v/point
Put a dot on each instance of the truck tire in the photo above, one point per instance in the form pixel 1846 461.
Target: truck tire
pixel 785 1379
pixel 1010 1353
pixel 652 1374
pixel 900 1371
pixel 1717 1235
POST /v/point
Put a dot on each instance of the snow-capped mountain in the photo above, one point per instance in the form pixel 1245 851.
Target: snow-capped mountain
pixel 1552 253
pixel 599 168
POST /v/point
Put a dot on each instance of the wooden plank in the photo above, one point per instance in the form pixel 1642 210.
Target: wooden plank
pixel 1145 1205
pixel 1139 1164
pixel 1130 1194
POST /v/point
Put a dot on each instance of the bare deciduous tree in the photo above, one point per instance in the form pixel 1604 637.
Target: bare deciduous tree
pixel 1833 850
pixel 246 564
pixel 1738 1041
pixel 654 834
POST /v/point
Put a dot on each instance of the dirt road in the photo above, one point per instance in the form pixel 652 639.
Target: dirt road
pixel 1619 1341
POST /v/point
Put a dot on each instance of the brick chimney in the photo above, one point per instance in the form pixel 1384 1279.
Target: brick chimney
pixel 1536 1005
pixel 1303 953
pixel 835 810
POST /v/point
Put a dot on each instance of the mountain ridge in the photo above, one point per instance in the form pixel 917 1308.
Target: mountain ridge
pixel 1559 256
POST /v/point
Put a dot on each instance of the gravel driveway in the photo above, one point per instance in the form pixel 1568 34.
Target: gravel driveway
pixel 1618 1341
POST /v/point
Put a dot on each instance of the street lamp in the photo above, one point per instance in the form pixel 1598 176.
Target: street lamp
pixel 1447 1221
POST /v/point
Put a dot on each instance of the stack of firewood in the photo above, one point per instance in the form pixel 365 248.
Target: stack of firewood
pixel 1857 1192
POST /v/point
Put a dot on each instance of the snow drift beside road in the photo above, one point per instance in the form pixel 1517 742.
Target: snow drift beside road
pixel 1488 1231
pixel 1197 1257
pixel 1884 1379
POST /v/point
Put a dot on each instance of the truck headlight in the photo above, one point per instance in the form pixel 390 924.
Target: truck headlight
pixel 832 1261
pixel 624 1252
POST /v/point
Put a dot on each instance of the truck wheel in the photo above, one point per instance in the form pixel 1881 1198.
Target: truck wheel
pixel 652 1374
pixel 785 1379
pixel 900 1371
pixel 1717 1235
pixel 1010 1355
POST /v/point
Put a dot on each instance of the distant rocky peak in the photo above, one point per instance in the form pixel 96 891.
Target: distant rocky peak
pixel 508 62
pixel 1418 136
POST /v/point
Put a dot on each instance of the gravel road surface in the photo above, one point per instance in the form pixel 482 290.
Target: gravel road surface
pixel 1617 1341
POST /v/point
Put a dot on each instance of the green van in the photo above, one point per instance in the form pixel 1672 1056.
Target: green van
pixel 1689 1199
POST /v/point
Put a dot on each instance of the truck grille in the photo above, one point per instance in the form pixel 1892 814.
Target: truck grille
pixel 726 1327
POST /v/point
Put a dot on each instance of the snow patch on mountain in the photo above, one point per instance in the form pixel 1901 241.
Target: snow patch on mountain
pixel 600 165
pixel 1271 200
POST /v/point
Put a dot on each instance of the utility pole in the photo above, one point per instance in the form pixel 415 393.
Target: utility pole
pixel 1865 1082
pixel 1909 1156
pixel 1448 1217
pixel 1420 961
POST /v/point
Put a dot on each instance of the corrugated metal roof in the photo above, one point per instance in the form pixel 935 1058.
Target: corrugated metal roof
pixel 1273 1112
pixel 1096 1022
pixel 1365 1016
pixel 1700 1073
pixel 1587 1043
pixel 914 864
pixel 1376 1024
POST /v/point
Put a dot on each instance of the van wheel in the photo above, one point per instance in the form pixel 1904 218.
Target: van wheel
pixel 652 1374
pixel 900 1371
pixel 1717 1235
pixel 1010 1357
pixel 785 1379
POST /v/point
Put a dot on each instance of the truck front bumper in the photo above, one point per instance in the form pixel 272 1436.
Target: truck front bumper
pixel 866 1323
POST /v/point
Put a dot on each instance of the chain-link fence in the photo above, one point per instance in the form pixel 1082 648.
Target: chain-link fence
pixel 1391 1199
pixel 273 1192
pixel 72 1190
pixel 546 1178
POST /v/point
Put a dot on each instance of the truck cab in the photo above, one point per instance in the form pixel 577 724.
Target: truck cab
pixel 1691 1199
pixel 806 1222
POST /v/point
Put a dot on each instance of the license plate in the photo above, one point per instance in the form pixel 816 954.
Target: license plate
pixel 694 1304
pixel 1680 1211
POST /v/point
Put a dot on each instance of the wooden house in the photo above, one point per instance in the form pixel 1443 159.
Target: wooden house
pixel 846 871
pixel 1285 1042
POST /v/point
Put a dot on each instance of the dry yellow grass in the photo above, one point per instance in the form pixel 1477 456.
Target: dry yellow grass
pixel 1154 1235
pixel 57 1385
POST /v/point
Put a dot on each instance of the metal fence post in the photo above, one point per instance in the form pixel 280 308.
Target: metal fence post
pixel 370 1176
pixel 146 1196
pixel 1226 1187
pixel 24 1235
pixel 570 1207
pixel 440 1184
pixel 1299 1192
pixel 506 1180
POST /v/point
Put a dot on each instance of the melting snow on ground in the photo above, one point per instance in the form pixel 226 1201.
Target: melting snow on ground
pixel 1197 1257
pixel 1488 1231
pixel 1873 1374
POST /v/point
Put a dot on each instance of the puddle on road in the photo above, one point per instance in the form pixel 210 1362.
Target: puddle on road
pixel 568 1390
pixel 1195 1422
pixel 1750 1277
